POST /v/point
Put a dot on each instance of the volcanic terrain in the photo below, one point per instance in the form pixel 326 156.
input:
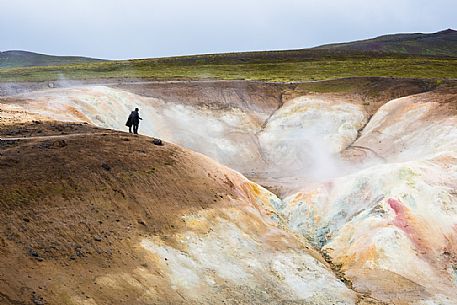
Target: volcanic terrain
pixel 350 195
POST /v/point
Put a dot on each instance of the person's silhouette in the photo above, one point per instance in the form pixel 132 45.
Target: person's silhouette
pixel 134 121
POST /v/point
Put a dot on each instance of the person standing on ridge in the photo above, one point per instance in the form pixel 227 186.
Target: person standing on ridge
pixel 134 121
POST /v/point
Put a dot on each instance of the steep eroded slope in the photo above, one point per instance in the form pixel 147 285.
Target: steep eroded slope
pixel 102 217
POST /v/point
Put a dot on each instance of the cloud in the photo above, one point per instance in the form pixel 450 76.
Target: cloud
pixel 143 28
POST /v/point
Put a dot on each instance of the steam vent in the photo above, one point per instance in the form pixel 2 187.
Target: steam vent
pixel 331 192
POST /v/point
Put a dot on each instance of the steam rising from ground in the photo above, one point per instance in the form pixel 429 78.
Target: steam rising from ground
pixel 388 220
pixel 299 143
pixel 305 137
pixel 396 220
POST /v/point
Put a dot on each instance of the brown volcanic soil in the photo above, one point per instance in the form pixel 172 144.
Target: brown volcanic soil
pixel 73 207
pixel 39 128
pixel 257 96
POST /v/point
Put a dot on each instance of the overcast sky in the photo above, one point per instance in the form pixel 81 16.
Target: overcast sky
pixel 120 29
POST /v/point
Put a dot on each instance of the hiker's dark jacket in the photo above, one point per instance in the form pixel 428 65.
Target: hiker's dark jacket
pixel 135 117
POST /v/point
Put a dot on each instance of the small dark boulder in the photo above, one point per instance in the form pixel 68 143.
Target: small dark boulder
pixel 106 167
pixel 33 252
pixel 157 142
pixel 141 222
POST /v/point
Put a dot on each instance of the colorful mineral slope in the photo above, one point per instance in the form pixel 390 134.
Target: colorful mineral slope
pixel 375 194
pixel 391 227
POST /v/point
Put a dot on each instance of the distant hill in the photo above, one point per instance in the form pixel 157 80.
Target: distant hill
pixel 11 59
pixel 442 43
pixel 423 56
